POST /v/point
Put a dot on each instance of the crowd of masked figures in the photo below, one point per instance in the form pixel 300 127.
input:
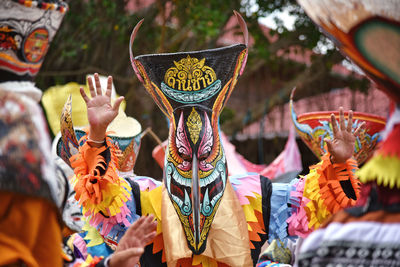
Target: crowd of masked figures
pixel 212 205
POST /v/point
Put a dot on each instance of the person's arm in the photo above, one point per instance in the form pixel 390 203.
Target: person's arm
pixel 300 207
pixel 102 194
pixel 130 247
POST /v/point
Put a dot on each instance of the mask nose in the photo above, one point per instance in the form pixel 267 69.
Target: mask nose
pixel 196 201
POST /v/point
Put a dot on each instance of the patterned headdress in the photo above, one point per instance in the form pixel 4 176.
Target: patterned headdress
pixel 191 89
pixel 124 131
pixel 26 30
pixel 314 127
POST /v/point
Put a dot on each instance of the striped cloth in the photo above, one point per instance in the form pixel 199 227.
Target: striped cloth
pixel 367 235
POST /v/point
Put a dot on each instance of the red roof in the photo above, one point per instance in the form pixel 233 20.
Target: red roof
pixel 278 120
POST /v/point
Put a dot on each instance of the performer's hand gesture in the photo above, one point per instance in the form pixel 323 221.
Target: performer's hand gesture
pixel 341 147
pixel 131 246
pixel 99 110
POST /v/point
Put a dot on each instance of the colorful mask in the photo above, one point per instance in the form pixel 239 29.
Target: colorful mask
pixel 368 32
pixel 191 88
pixel 314 127
pixel 26 30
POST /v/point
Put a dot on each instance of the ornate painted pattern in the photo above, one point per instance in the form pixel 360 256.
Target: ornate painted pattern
pixel 189 74
pixel 314 127
pixel 179 174
pixel 194 125
pixel 189 96
pixel 190 81
pixel 365 142
pixel 26 30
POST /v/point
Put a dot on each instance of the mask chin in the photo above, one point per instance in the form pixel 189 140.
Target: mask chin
pixel 196 201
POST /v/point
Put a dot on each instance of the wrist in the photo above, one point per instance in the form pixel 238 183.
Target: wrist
pixel 97 134
pixel 335 160
pixel 97 144
pixel 332 159
pixel 96 137
pixel 107 262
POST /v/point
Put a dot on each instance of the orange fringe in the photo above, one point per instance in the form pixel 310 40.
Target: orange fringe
pixel 323 189
pixel 87 170
pixel 158 245
pixel 256 228
pixel 331 191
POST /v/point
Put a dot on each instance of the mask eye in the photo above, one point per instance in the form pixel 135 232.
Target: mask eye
pixel 204 156
pixel 185 157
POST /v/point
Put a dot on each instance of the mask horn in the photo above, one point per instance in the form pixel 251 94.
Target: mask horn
pixel 243 27
pixel 69 144
pixel 132 39
pixel 302 129
pixel 245 32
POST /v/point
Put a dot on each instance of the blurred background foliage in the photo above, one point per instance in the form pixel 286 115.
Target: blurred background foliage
pixel 94 37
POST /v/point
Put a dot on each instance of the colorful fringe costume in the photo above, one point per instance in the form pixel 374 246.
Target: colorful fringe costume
pixel 369 234
pixel 268 210
pixel 109 195
pixel 205 218
pixel 313 128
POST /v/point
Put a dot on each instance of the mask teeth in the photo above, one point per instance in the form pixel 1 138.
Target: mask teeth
pixel 186 206
pixel 209 179
pixel 216 198
pixel 182 180
pixel 177 201
pixel 206 209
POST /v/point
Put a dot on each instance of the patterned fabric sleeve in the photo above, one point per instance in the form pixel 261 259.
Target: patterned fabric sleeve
pixel 103 195
pixel 108 202
pixel 89 262
pixel 300 207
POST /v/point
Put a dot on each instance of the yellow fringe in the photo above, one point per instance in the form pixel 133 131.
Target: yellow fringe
pixel 385 170
pixel 323 189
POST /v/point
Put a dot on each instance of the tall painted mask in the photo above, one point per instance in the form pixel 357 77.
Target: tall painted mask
pixel 368 32
pixel 191 88
pixel 26 30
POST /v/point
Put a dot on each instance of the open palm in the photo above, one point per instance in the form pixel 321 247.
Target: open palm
pixel 131 246
pixel 99 109
pixel 341 147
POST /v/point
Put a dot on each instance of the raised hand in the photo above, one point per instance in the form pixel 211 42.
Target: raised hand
pixel 131 246
pixel 99 110
pixel 341 147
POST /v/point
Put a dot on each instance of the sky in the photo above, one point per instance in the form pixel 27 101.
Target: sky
pixel 287 19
